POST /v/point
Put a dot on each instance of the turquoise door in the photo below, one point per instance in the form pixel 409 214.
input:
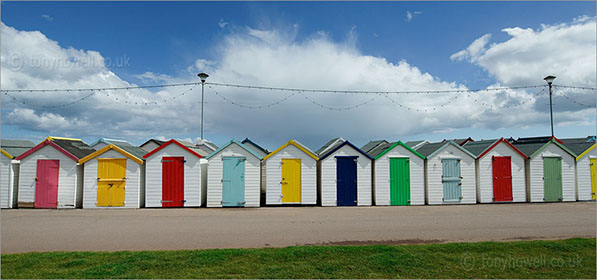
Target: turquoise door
pixel 233 182
pixel 451 180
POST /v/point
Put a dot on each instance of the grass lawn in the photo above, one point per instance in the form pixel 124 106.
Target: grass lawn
pixel 572 258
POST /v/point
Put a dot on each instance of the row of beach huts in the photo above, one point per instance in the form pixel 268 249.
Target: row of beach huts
pixel 67 173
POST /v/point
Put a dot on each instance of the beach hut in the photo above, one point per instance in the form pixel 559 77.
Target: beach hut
pixel 255 147
pixel 398 173
pixel 151 145
pixel 173 176
pixel 9 170
pixel 233 180
pixel 549 169
pixel 449 173
pixel 417 144
pixel 460 141
pixel 102 142
pixel 344 174
pixel 50 176
pixel 206 146
pixel 586 161
pixel 113 177
pixel 499 170
pixel 290 175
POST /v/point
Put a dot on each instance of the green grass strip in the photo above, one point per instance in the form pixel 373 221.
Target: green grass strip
pixel 572 258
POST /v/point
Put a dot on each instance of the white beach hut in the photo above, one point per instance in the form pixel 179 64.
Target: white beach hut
pixel 500 171
pixel 50 176
pixel 344 174
pixel 449 173
pixel 9 170
pixel 586 162
pixel 114 177
pixel 398 174
pixel 233 180
pixel 173 176
pixel 290 175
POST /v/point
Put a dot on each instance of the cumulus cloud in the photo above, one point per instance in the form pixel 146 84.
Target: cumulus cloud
pixel 47 17
pixel 411 15
pixel 473 51
pixel 267 57
pixel 222 23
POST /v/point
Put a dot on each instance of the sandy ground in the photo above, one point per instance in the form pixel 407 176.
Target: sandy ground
pixel 30 230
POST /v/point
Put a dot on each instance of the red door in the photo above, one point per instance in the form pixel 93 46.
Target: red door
pixel 46 185
pixel 502 179
pixel 173 181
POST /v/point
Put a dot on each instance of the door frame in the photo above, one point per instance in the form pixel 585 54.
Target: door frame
pixel 300 176
pixel 242 203
pixel 99 160
pixel 356 183
pixel 168 203
pixel 493 176
pixel 561 185
pixel 37 182
pixel 459 160
pixel 408 202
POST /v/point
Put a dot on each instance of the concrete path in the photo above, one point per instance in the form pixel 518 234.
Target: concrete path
pixel 172 229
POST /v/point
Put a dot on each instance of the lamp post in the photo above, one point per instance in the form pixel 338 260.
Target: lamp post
pixel 549 80
pixel 203 77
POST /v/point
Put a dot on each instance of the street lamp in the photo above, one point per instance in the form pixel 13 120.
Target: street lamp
pixel 549 80
pixel 203 77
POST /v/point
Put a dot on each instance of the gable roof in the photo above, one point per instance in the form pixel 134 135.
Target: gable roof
pixel 75 149
pixel 482 147
pixel 115 148
pixel 109 141
pixel 380 150
pixel 14 148
pixel 156 141
pixel 238 143
pixel 296 144
pixel 337 147
pixel 417 144
pixel 373 144
pixel 330 145
pixel 460 141
pixel 206 146
pixel 580 146
pixel 533 146
pixel 256 148
pixel 172 141
pixel 429 150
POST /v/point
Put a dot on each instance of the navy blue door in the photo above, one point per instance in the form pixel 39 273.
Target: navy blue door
pixel 346 178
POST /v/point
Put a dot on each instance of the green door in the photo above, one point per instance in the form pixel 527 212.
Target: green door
pixel 399 181
pixel 451 180
pixel 552 178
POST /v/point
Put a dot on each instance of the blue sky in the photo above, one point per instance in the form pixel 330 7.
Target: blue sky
pixel 166 38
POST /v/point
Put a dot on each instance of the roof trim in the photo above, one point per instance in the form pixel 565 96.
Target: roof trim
pixel 558 143
pixel 172 141
pixel 51 138
pixel 45 143
pixel 346 142
pixel 496 143
pixel 111 147
pixel 294 143
pixel 6 153
pixel 403 145
pixel 586 152
pixel 234 142
pixel 455 145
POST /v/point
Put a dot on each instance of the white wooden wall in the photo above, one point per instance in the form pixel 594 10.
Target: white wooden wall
pixel 6 182
pixel 328 177
pixel 485 174
pixel 435 188
pixel 132 188
pixel 583 176
pixel 192 176
pixel 535 172
pixel 382 177
pixel 67 177
pixel 215 173
pixel 273 176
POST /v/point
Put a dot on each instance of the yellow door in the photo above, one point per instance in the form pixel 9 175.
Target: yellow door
pixel 593 171
pixel 111 179
pixel 291 180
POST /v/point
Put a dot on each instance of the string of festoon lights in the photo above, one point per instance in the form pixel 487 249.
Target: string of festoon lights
pixel 558 89
pixel 112 92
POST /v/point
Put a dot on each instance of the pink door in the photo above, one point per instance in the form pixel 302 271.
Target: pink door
pixel 46 185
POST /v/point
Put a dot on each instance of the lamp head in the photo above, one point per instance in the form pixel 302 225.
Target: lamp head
pixel 203 77
pixel 549 79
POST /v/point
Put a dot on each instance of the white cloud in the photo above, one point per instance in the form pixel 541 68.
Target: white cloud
pixel 411 15
pixel 222 23
pixel 473 51
pixel 47 17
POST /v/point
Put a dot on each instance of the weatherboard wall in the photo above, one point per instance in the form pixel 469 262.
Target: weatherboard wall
pixel 6 182
pixel 328 177
pixel 273 176
pixel 535 174
pixel 583 175
pixel 382 176
pixel 67 177
pixel 485 174
pixel 435 188
pixel 192 176
pixel 215 173
pixel 132 188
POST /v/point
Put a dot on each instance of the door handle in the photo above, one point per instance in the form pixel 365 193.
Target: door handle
pixel 36 179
